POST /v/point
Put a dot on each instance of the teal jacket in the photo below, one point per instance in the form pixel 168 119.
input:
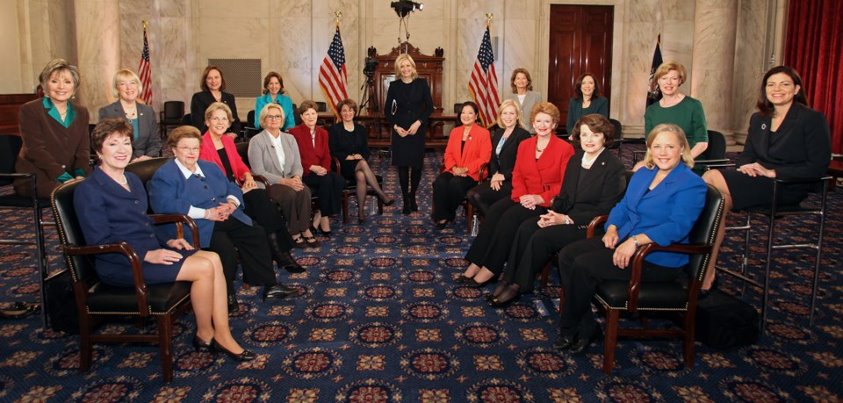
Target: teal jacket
pixel 286 104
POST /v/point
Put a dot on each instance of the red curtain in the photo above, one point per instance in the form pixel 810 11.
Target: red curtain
pixel 814 47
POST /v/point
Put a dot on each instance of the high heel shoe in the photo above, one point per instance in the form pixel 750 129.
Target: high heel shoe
pixel 202 346
pixel 244 356
pixel 388 202
pixel 509 295
pixel 583 343
pixel 498 291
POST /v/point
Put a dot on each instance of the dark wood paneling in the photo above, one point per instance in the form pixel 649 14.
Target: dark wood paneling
pixel 9 107
pixel 580 42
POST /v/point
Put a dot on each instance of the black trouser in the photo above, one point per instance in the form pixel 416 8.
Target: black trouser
pixel 491 247
pixel 448 192
pixel 533 247
pixel 328 188
pixel 483 196
pixel 588 263
pixel 231 235
pixel 265 212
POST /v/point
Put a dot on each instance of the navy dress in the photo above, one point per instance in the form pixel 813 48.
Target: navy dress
pixel 405 104
pixel 108 213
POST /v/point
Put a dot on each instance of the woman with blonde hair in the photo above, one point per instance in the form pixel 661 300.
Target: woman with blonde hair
pixel 677 108
pixel 146 141
pixel 408 107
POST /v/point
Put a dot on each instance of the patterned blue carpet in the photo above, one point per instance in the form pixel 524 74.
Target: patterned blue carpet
pixel 382 321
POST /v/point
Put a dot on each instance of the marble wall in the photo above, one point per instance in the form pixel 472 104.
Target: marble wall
pixel 724 61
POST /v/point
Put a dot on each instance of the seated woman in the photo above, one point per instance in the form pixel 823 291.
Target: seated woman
pixel 220 149
pixel 469 147
pixel 677 108
pixel 273 93
pixel 147 140
pixel 213 90
pixel 316 162
pixel 587 101
pixel 539 169
pixel 199 189
pixel 274 155
pixel 349 144
pixel 505 140
pixel 661 205
pixel 112 205
pixel 54 132
pixel 594 182
pixel 786 139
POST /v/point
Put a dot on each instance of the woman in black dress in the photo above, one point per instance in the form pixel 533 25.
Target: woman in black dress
pixel 408 107
pixel 505 140
pixel 786 138
pixel 213 90
pixel 349 144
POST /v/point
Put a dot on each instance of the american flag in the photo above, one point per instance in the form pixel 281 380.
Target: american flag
pixel 332 74
pixel 145 71
pixel 655 94
pixel 483 82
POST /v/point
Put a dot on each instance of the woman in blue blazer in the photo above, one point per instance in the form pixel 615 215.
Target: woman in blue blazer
pixel 111 205
pixel 786 138
pixel 187 185
pixel 146 142
pixel 662 203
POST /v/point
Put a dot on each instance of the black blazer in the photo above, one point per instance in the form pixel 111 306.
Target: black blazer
pixel 505 162
pixel 202 100
pixel 148 139
pixel 594 196
pixel 800 148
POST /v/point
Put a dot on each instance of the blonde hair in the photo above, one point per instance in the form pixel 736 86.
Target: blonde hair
pixel 218 106
pixel 125 75
pixel 507 103
pixel 677 133
pixel 265 113
pixel 400 59
pixel 545 107
pixel 58 66
pixel 666 67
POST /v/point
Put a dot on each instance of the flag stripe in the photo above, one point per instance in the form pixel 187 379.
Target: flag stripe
pixel 145 72
pixel 483 82
pixel 333 77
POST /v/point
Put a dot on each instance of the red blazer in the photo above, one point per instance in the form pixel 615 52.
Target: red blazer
pixel 543 176
pixel 310 155
pixel 208 152
pixel 477 150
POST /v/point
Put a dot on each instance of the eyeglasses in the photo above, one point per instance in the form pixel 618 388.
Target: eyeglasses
pixel 273 117
pixel 185 149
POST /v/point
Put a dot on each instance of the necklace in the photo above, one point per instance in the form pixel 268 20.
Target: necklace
pixel 122 180
pixel 538 150
pixel 588 162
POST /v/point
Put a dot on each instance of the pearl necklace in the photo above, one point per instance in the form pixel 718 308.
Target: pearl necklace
pixel 588 162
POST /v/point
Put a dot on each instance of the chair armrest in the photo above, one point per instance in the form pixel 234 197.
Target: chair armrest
pixel 592 226
pixel 337 166
pixel 124 249
pixel 786 181
pixel 180 220
pixel 484 171
pixel 261 179
pixel 636 264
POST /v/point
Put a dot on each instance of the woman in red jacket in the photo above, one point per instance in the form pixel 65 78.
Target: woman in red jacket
pixel 316 162
pixel 537 177
pixel 469 147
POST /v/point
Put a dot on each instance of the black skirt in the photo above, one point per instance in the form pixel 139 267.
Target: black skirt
pixel 748 191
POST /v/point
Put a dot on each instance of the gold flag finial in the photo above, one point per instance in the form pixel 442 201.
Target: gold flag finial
pixel 145 24
pixel 489 17
pixel 338 17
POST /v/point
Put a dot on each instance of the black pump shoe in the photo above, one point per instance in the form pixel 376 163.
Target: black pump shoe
pixel 583 343
pixel 288 262
pixel 244 356
pixel 202 346
pixel 278 291
pixel 564 343
pixel 498 290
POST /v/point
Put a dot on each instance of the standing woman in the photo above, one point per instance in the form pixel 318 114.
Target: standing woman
pixel 213 90
pixel 274 155
pixel 56 146
pixel 587 101
pixel 523 94
pixel 677 108
pixel 316 162
pixel 273 93
pixel 147 139
pixel 408 107
pixel 469 147
pixel 349 144
pixel 539 170
pixel 220 149
pixel 505 140
pixel 786 139
pixel 112 206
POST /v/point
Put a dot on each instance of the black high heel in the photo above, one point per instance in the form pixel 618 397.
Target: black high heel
pixel 202 346
pixel 509 295
pixel 498 291
pixel 244 356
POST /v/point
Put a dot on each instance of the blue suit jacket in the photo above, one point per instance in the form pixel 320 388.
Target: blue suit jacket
pixel 665 214
pixel 170 192
pixel 110 214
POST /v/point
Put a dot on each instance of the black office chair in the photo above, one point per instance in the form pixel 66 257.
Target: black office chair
pixel 30 204
pixel 321 106
pixel 170 116
pixel 250 131
pixel 97 301
pixel 635 296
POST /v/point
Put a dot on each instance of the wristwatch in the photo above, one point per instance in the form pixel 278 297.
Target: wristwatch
pixel 635 241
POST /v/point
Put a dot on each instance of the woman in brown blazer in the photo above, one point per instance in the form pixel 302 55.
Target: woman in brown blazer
pixel 56 147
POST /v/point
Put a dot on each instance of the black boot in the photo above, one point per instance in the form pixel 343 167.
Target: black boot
pixel 282 257
pixel 405 209
pixel 413 206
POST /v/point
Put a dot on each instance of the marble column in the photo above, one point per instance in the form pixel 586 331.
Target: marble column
pixel 98 51
pixel 714 61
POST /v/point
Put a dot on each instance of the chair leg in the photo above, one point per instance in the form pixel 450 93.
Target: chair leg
pixel 469 216
pixel 816 279
pixel 165 345
pixel 545 274
pixel 345 207
pixel 86 350
pixel 611 340
pixel 765 299
pixel 688 343
pixel 380 205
